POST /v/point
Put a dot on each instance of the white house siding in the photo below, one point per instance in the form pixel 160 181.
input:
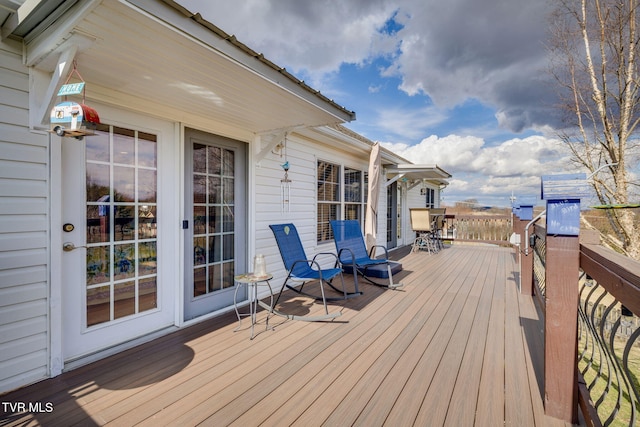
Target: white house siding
pixel 302 155
pixel 24 235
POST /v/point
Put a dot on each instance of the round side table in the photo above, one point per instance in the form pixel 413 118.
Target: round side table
pixel 252 282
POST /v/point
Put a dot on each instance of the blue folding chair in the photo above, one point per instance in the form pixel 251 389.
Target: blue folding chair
pixel 352 253
pixel 300 269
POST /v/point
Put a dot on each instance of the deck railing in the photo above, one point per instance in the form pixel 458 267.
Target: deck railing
pixel 494 229
pixel 607 343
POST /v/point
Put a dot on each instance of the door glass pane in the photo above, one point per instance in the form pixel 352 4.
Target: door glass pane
pixel 147 191
pixel 147 150
pixel 124 146
pixel 200 219
pixel 228 218
pixel 124 184
pixel 199 189
pixel 125 222
pixel 228 163
pixel 213 206
pixel 98 305
pixel 98 229
pixel 148 294
pixel 214 190
pixel 98 182
pixel 147 258
pixel 98 266
pixel 121 224
pixel 147 222
pixel 98 147
pixel 124 299
pixel 214 160
pixel 199 281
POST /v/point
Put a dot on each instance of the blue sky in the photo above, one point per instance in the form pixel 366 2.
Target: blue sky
pixel 461 84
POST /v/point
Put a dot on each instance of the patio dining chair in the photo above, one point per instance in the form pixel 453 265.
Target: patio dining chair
pixel 353 256
pixel 422 225
pixel 438 221
pixel 301 270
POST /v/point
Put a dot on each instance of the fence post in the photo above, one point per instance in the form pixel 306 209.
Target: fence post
pixel 562 266
pixel 526 263
pixel 525 215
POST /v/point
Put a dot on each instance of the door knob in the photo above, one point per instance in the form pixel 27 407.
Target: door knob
pixel 68 246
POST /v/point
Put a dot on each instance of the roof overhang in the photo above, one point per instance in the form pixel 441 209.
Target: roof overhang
pixel 157 57
pixel 416 174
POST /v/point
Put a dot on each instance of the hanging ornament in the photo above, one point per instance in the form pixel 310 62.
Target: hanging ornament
pixel 285 183
pixel 70 119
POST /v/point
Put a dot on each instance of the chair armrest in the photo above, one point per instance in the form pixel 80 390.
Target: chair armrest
pixel 326 253
pixel 351 261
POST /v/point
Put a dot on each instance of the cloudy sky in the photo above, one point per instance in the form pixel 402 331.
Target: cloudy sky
pixel 457 83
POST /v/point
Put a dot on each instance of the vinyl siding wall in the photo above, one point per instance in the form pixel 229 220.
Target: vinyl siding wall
pixel 302 155
pixel 24 235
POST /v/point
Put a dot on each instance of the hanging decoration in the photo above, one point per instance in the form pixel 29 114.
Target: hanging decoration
pixel 285 183
pixel 70 119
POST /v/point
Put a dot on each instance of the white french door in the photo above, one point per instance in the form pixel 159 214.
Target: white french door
pixel 215 221
pixel 111 282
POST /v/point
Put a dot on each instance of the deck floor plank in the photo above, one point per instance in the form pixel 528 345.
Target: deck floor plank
pixel 383 400
pixel 390 366
pixel 433 339
pixel 322 371
pixel 491 395
pixel 438 398
pixel 456 346
pixel 462 409
pixel 518 409
pixel 306 368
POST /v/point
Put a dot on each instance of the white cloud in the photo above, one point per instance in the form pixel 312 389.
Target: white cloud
pixel 314 37
pixel 408 123
pixel 533 155
pixel 484 171
pixel 492 51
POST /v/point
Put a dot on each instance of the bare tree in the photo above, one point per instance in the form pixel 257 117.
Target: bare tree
pixel 595 57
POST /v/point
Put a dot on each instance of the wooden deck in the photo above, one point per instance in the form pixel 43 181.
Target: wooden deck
pixel 457 346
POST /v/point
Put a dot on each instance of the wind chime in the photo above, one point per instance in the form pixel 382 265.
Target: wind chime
pixel 285 183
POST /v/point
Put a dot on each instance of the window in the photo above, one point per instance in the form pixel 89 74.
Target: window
pixel 328 197
pixel 353 195
pixel 336 203
pixel 431 197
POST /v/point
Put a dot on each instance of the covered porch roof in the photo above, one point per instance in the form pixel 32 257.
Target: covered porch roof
pixel 157 57
pixel 416 174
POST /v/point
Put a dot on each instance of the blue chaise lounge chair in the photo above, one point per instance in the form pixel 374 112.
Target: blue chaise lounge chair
pixel 353 256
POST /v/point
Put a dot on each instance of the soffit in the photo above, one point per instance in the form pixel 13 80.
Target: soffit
pixel 154 60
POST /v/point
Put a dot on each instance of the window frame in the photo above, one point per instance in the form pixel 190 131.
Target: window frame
pixel 430 197
pixel 344 204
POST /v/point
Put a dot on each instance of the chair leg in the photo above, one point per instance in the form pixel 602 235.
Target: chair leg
pixel 324 317
pixel 391 284
pixel 416 244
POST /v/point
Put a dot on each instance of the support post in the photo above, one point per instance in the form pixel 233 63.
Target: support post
pixel 561 328
pixel 526 261
pixel 522 216
pixel 562 266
